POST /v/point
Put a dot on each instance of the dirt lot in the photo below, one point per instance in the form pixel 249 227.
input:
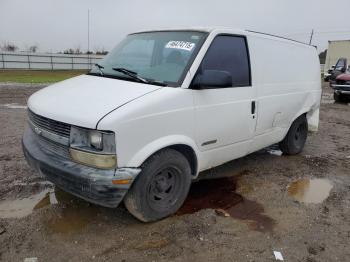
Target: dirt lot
pixel 245 217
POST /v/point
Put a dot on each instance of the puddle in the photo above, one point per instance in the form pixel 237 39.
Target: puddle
pixel 310 190
pixel 70 215
pixel 220 194
pixel 19 208
pixel 14 106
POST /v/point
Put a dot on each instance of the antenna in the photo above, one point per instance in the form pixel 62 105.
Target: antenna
pixel 311 36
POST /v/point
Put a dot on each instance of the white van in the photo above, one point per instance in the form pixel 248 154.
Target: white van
pixel 165 105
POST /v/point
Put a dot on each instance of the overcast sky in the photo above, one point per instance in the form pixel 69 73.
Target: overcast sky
pixel 55 25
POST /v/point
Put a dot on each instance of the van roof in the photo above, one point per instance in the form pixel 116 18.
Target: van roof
pixel 199 29
pixel 210 29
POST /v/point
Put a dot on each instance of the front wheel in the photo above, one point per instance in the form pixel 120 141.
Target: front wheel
pixel 339 98
pixel 295 139
pixel 161 188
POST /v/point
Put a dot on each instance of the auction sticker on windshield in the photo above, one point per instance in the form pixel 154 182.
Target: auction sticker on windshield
pixel 188 46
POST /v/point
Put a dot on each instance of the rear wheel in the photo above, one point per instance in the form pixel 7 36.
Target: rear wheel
pixel 161 188
pixel 295 139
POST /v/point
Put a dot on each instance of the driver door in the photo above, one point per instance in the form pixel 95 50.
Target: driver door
pixel 226 116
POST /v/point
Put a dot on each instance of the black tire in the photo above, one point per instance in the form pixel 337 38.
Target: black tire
pixel 295 139
pixel 161 187
pixel 340 98
pixel 337 97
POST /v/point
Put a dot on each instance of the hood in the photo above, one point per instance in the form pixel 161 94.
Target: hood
pixel 345 77
pixel 84 100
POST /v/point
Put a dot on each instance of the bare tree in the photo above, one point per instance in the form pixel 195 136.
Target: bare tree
pixel 10 47
pixel 103 52
pixel 33 48
pixel 100 51
pixel 77 51
pixel 69 51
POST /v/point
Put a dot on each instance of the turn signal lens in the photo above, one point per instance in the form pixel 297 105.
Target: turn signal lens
pixel 94 160
pixel 121 182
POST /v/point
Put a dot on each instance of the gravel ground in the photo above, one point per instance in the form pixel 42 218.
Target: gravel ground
pixel 259 214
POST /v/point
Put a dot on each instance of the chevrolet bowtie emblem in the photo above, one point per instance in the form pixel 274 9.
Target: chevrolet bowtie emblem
pixel 37 130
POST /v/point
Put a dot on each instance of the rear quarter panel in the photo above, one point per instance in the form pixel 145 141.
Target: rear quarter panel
pixel 288 80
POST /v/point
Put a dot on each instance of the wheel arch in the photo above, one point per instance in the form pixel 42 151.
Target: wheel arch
pixel 312 118
pixel 311 110
pixel 184 145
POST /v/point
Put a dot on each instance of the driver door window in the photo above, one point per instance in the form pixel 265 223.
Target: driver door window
pixel 230 54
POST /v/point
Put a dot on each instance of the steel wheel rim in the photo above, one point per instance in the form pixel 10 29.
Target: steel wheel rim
pixel 164 188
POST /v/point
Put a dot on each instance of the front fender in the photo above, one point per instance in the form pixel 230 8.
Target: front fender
pixel 161 143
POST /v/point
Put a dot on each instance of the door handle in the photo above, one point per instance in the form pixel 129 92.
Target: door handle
pixel 253 107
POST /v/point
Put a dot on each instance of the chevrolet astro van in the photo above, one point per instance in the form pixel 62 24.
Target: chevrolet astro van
pixel 163 106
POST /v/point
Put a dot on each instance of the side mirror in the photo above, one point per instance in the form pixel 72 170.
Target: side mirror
pixel 212 79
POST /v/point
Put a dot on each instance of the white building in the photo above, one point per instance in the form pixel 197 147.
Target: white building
pixel 336 50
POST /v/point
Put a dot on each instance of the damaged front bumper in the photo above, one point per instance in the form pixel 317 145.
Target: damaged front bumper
pixel 92 184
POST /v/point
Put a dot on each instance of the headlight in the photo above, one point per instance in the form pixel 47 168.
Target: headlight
pixel 95 138
pixel 93 147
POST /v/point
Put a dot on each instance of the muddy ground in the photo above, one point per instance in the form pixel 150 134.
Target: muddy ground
pixel 241 218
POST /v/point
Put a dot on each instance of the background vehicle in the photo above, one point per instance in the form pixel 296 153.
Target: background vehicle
pixel 166 105
pixel 328 73
pixel 340 68
pixel 341 87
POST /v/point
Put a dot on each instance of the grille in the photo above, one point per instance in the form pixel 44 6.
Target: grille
pixel 341 82
pixel 51 147
pixel 56 127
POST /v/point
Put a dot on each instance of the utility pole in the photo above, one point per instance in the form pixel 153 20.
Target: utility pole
pixel 88 26
pixel 311 36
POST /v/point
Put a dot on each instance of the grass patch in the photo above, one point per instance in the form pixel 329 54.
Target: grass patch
pixel 38 76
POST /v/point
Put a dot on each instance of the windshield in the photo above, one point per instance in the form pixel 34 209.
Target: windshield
pixel 163 56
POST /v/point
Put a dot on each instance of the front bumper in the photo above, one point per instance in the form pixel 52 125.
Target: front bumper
pixel 341 89
pixel 92 184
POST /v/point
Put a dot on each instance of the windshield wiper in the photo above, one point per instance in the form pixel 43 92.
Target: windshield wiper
pixel 135 76
pixel 100 68
pixel 130 73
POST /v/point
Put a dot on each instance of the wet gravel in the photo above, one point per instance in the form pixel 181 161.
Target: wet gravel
pixel 265 214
